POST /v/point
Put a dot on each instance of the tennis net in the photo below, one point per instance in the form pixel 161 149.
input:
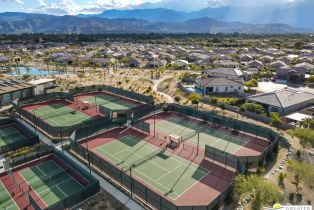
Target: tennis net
pixel 147 157
pixel 44 180
pixel 193 133
pixel 56 114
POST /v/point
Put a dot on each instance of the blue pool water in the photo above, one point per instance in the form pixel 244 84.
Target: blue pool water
pixel 194 90
pixel 31 71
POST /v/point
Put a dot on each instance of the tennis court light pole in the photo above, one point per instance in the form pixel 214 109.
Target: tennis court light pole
pixel 131 181
pixel 154 124
pixel 34 120
pixel 198 142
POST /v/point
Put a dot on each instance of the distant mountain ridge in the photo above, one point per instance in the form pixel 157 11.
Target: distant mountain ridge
pixel 295 13
pixel 16 23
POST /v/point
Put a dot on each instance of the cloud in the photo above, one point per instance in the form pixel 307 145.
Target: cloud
pixel 101 5
pixel 12 1
pixel 58 7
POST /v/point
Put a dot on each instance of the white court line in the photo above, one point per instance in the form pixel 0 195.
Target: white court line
pixel 172 170
pixel 10 196
pixel 33 189
pixel 166 188
pixel 49 188
pixel 198 168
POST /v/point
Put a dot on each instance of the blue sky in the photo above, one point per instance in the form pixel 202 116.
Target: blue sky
pixel 73 7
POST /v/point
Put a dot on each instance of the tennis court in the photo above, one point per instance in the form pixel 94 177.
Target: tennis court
pixel 6 201
pixel 60 115
pixel 187 129
pixel 50 182
pixel 10 135
pixel 168 173
pixel 108 101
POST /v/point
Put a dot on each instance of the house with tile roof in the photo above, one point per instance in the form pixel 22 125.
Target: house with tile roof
pixel 284 101
pixel 219 85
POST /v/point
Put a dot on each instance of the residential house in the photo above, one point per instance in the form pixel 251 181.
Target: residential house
pixel 181 64
pixel 219 85
pixel 278 64
pixel 244 58
pixel 156 64
pixel 267 59
pixel 136 63
pixel 226 64
pixel 290 75
pixel 225 72
pixel 195 57
pixel 249 74
pixel 255 64
pixel 284 101
pixel 307 67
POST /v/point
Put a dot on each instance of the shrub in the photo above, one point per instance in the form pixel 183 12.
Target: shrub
pixel 177 98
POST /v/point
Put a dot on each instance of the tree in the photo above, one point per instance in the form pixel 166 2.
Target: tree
pixel 194 98
pixel 264 192
pixel 256 108
pixel 306 122
pixel 177 98
pixel 311 79
pixel 298 44
pixel 275 119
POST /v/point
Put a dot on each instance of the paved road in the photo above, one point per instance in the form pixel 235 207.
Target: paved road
pixel 271 86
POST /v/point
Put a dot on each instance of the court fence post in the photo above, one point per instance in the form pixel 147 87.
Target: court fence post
pixel 198 142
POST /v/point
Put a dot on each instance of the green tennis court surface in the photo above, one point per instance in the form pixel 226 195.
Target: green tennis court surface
pixel 6 201
pixel 208 136
pixel 166 172
pixel 50 182
pixel 60 115
pixel 109 102
pixel 10 135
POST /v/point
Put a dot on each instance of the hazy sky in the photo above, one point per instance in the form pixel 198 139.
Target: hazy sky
pixel 73 7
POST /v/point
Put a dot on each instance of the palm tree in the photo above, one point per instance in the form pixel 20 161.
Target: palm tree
pixel 306 123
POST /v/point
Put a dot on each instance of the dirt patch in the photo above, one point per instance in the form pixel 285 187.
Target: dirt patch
pixel 102 200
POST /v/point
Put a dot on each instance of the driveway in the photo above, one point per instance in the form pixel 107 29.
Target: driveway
pixel 266 87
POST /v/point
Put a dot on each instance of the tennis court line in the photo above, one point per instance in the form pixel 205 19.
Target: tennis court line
pixel 119 160
pixel 175 168
pixel 181 163
pixel 224 137
pixel 178 161
pixel 56 185
pixel 32 189
pixel 10 196
pixel 161 185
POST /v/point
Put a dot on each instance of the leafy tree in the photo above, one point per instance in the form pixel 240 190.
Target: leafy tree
pixel 194 98
pixel 177 98
pixel 264 192
pixel 275 119
pixel 252 83
pixel 298 44
pixel 311 79
pixel 256 108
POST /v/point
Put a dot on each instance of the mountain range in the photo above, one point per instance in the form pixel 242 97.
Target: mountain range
pixel 210 20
